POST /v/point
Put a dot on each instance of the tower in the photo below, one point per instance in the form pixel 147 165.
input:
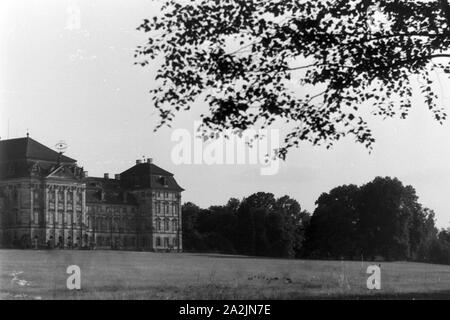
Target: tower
pixel 159 198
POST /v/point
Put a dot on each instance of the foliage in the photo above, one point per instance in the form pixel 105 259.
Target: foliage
pixel 312 64
pixel 379 219
pixel 333 228
pixel 259 225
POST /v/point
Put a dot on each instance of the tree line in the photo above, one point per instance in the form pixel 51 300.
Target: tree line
pixel 378 220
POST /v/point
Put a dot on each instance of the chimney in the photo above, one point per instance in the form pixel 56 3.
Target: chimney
pixel 149 160
pixel 138 161
pixel 106 176
pixel 85 174
pixel 117 176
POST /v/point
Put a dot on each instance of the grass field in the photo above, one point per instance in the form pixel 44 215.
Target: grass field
pixel 144 275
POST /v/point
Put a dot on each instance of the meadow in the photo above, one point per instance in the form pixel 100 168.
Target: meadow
pixel 29 274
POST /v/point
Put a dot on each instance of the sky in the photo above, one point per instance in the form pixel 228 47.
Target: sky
pixel 67 74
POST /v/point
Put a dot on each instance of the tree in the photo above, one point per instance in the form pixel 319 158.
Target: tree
pixel 290 206
pixel 218 224
pixel 192 239
pixel 296 220
pixel 252 214
pixel 381 218
pixel 259 200
pixel 243 57
pixel 270 227
pixel 260 225
pixel 333 229
pixel 439 251
pixel 386 208
pixel 245 231
pixel 233 204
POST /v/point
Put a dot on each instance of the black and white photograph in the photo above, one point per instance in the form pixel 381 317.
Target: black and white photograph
pixel 244 151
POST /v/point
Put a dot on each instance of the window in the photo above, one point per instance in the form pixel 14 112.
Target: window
pixel 166 225
pixel 166 242
pixel 174 225
pixel 36 217
pixel 163 180
pixel 158 224
pixel 158 241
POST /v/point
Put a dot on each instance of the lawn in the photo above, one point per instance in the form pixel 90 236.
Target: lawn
pixel 144 275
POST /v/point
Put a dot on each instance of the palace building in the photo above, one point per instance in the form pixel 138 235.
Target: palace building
pixel 48 201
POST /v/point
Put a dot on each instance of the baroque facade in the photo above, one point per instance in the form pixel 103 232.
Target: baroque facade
pixel 48 201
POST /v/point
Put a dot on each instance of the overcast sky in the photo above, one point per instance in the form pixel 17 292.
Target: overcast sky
pixel 79 84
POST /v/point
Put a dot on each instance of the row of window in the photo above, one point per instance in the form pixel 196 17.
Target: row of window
pixel 166 208
pixel 60 195
pixel 59 218
pixel 159 194
pixel 38 194
pixel 166 225
pixel 108 209
pixel 69 207
pixel 103 223
pixel 166 242
pixel 100 222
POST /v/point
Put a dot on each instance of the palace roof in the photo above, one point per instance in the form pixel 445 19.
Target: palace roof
pixel 148 175
pixel 29 149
